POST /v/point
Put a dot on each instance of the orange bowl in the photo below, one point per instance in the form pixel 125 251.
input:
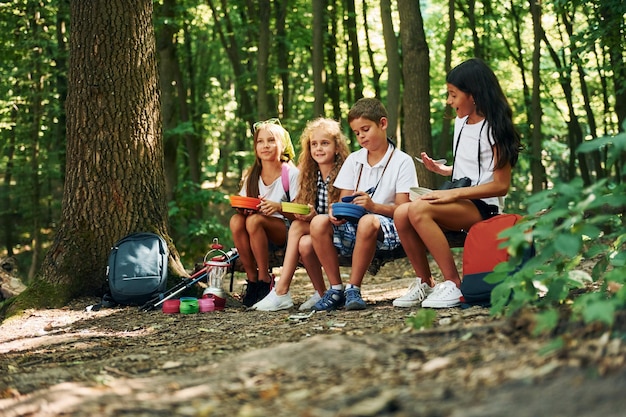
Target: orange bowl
pixel 242 202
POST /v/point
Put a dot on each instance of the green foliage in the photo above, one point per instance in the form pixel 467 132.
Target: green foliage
pixel 196 218
pixel 424 318
pixel 570 225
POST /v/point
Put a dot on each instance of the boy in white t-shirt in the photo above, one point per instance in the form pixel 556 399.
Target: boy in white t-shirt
pixel 380 177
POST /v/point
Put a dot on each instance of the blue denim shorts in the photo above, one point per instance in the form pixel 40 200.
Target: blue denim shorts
pixel 344 236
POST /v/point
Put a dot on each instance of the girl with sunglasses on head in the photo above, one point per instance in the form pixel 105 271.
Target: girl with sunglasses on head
pixel 254 231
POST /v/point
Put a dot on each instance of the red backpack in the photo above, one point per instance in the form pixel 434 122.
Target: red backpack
pixel 481 253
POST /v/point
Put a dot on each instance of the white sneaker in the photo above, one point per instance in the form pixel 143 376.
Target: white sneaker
pixel 308 304
pixel 274 302
pixel 416 293
pixel 444 295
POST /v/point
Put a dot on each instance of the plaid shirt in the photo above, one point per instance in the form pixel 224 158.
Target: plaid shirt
pixel 321 205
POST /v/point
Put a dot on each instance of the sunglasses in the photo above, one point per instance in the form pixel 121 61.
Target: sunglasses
pixel 273 121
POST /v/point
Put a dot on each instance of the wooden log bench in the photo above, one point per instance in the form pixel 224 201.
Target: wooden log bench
pixel 455 240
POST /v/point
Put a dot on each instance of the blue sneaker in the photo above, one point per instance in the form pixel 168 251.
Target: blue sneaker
pixel 332 300
pixel 354 300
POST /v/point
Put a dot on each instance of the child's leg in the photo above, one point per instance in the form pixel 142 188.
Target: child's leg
pixel 290 264
pixel 312 264
pixel 241 239
pixel 428 219
pixel 413 246
pixel 322 237
pixel 364 248
pixel 261 230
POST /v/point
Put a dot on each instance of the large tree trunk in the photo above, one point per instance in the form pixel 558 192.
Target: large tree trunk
pixel 416 100
pixel 114 180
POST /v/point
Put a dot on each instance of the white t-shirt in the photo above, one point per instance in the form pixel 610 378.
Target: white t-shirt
pixel 275 190
pixel 399 176
pixel 475 137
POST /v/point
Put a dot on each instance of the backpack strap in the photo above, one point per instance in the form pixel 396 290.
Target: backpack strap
pixel 284 175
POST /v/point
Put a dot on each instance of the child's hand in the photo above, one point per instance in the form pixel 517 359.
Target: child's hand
pixel 333 219
pixel 434 165
pixel 245 212
pixel 307 217
pixel 364 200
pixel 268 208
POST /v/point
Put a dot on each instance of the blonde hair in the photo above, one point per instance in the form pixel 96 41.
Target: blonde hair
pixel 251 179
pixel 309 168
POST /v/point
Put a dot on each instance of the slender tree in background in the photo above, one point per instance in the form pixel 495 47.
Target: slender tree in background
pixel 416 99
pixel 333 85
pixel 282 55
pixel 536 168
pixel 445 141
pixel 262 60
pixel 114 181
pixel 353 69
pixel 168 67
pixel 317 59
pixel 394 78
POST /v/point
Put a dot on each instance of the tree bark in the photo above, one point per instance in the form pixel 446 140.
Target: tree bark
pixel 115 177
pixel 416 100
pixel 536 167
pixel 262 62
pixel 318 57
pixel 394 78
pixel 354 55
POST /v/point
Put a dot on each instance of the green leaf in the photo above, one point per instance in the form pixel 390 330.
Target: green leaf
pixel 568 245
pixel 423 319
pixel 546 322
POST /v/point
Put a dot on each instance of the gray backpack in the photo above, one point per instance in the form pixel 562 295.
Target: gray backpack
pixel 137 268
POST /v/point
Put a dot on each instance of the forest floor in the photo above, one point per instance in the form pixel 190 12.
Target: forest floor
pixel 120 361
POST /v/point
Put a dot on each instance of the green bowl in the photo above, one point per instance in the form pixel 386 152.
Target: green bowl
pixel 295 208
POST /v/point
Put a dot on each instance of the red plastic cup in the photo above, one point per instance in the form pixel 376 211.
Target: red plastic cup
pixel 171 306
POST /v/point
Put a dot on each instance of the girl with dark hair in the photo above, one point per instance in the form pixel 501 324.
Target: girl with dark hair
pixel 486 147
pixel 324 148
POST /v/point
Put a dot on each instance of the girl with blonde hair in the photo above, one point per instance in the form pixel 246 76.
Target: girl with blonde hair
pixel 324 149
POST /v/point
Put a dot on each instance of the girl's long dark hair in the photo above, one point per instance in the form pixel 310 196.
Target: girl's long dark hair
pixel 474 77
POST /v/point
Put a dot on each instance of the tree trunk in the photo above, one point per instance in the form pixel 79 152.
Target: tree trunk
pixel 536 167
pixel 394 78
pixel 282 55
pixel 318 57
pixel 262 69
pixel 332 76
pixel 375 77
pixel 169 107
pixel 416 101
pixel 353 52
pixel 114 180
pixel 613 42
pixel 444 147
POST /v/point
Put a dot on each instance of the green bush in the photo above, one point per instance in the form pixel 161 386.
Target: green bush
pixel 570 224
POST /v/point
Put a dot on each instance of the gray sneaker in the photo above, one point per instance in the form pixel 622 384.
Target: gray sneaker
pixel 310 303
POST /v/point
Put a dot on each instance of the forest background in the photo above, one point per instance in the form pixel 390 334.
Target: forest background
pixel 224 65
